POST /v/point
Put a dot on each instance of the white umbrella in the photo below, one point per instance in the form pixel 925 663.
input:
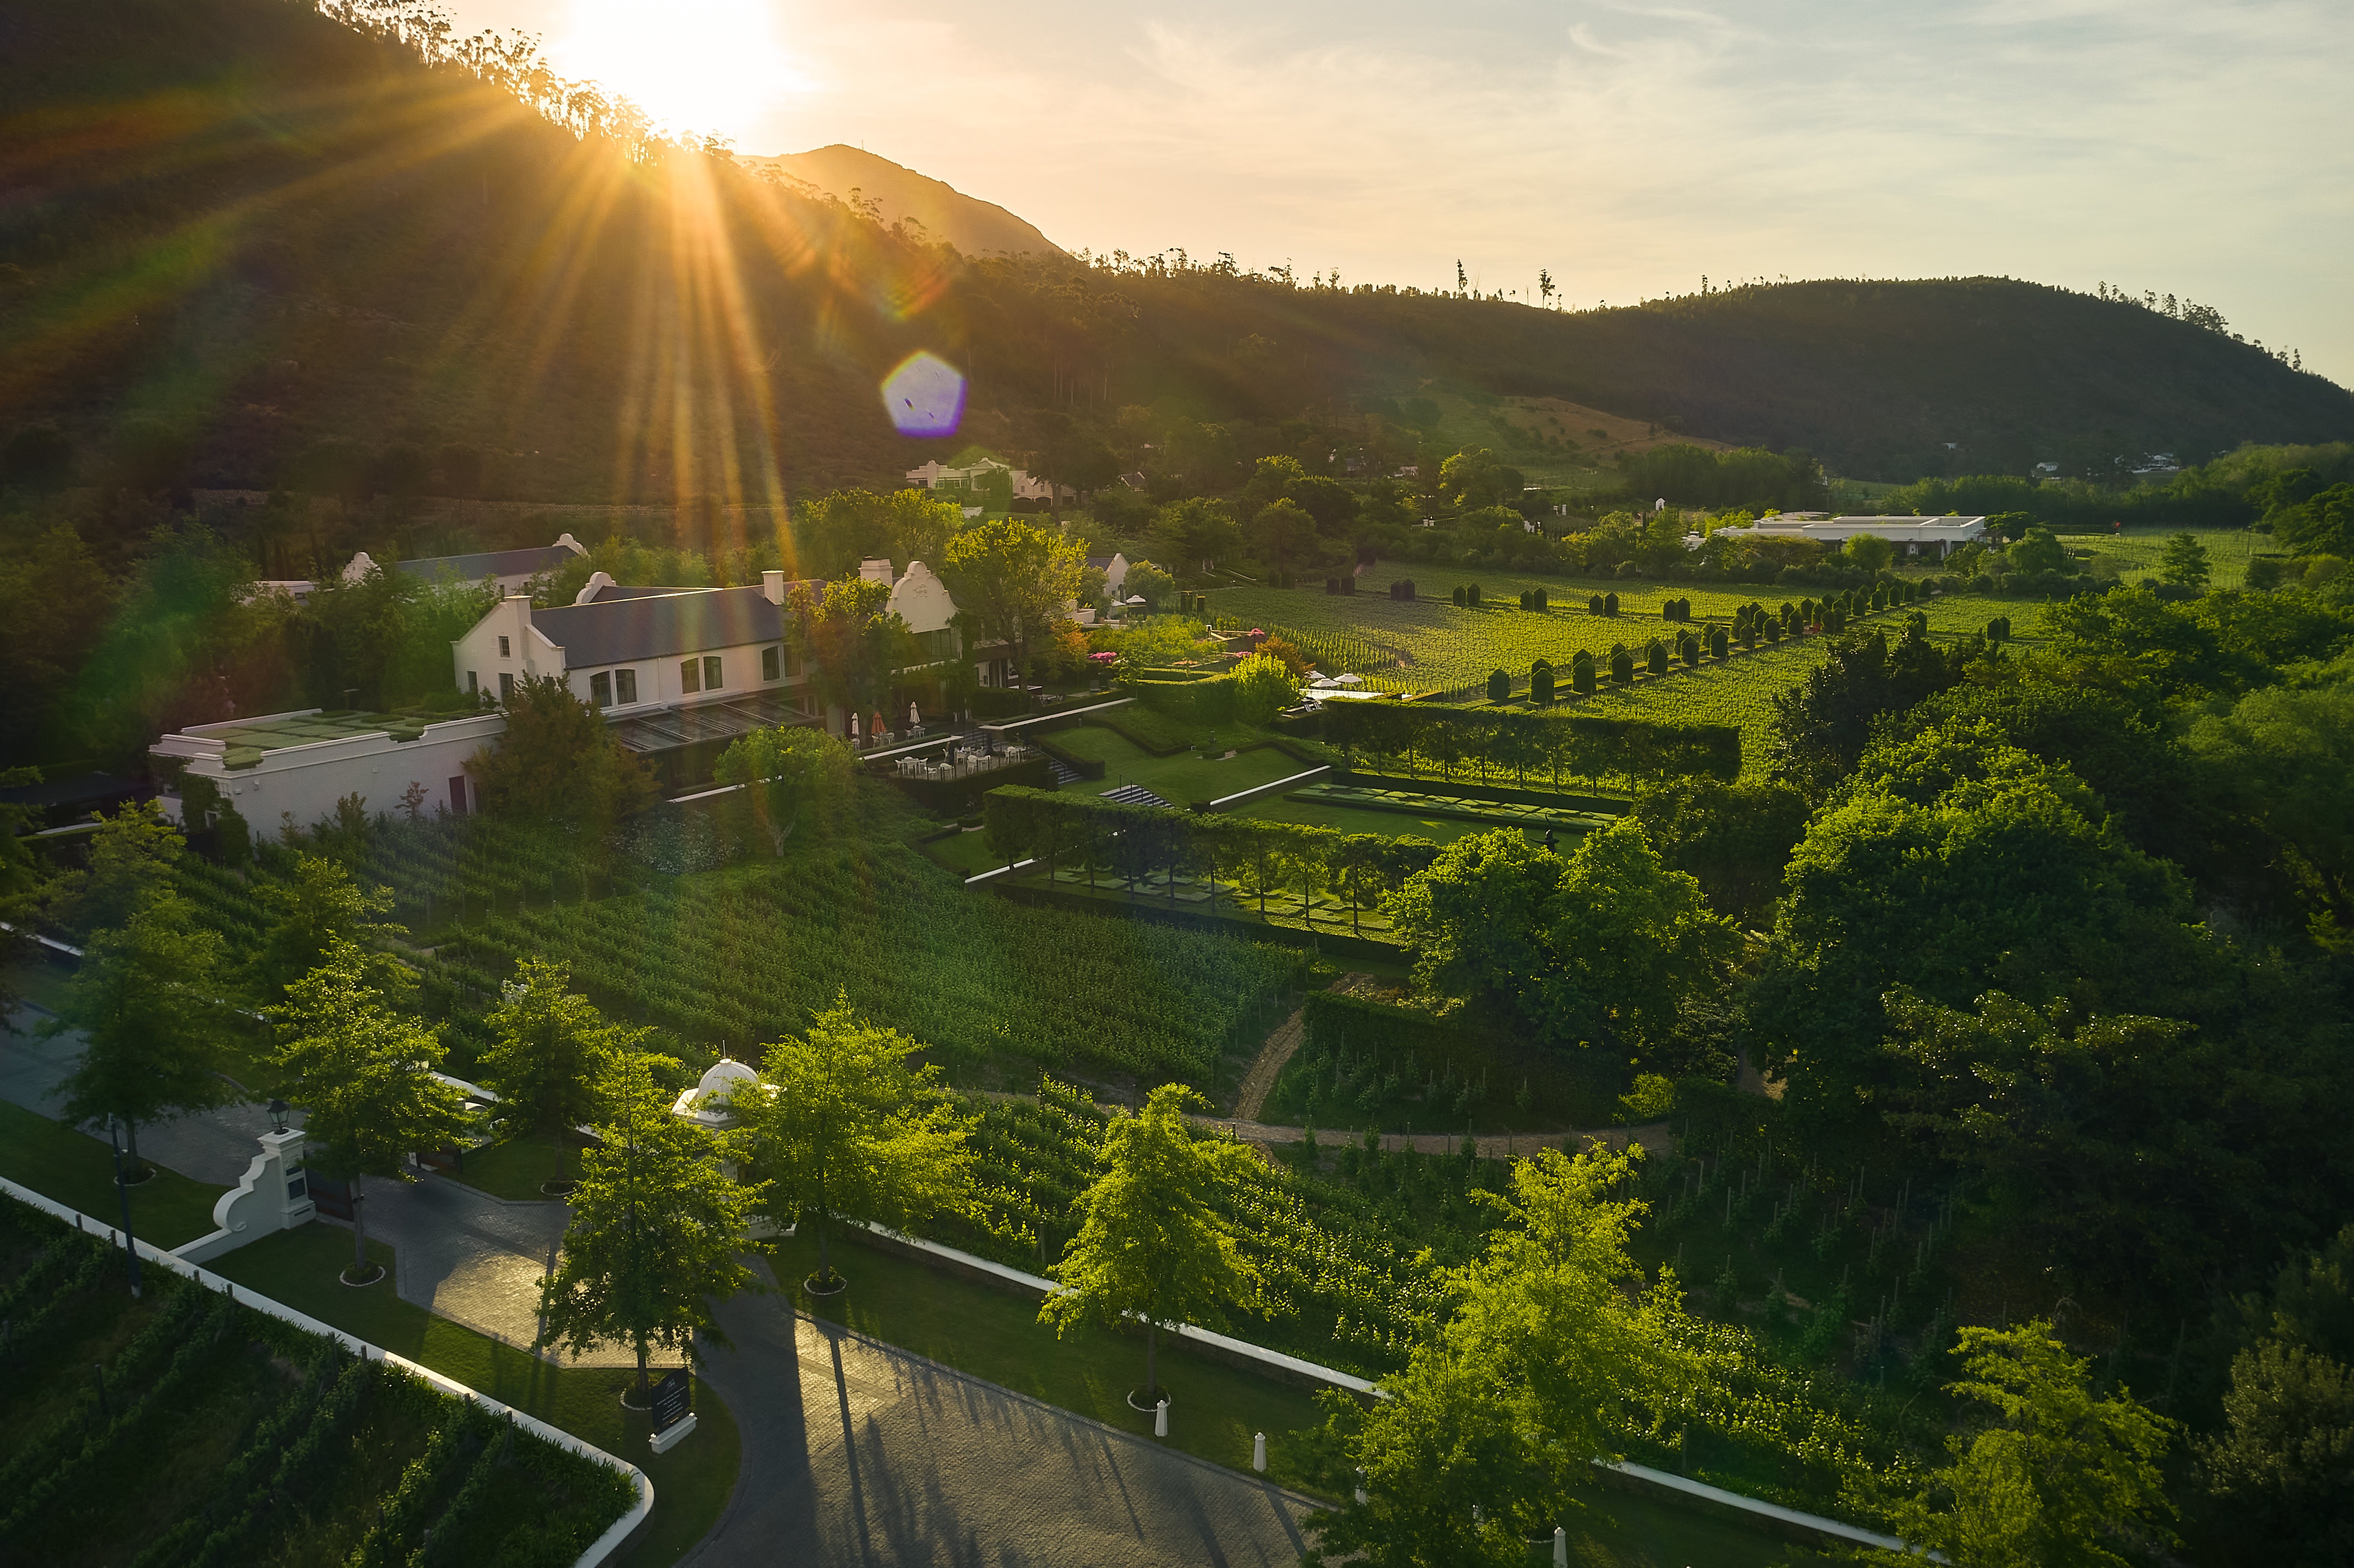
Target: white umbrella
pixel 1350 680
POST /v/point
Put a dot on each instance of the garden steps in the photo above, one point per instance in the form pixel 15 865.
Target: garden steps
pixel 1134 795
pixel 1064 772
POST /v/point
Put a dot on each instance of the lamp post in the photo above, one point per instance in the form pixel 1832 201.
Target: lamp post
pixel 278 1109
pixel 129 1246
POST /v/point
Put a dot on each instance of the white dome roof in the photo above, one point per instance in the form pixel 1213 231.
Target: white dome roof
pixel 726 1073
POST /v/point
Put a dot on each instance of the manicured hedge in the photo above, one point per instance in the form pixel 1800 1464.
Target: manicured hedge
pixel 1582 746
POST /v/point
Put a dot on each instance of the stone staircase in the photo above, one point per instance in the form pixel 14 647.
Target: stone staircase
pixel 1134 795
pixel 1063 773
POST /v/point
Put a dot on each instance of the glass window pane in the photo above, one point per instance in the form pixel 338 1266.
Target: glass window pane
pixel 711 680
pixel 690 675
pixel 625 685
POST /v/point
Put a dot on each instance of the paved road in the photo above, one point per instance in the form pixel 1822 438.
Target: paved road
pixel 213 1147
pixel 858 1454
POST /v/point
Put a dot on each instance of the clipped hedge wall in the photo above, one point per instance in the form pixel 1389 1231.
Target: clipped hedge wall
pixel 1582 746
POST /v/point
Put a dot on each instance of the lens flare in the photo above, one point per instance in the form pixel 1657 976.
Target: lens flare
pixel 925 395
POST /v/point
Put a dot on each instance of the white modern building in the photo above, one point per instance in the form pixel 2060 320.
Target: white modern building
pixel 295 766
pixel 1934 536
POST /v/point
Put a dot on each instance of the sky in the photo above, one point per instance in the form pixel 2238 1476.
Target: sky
pixel 2203 150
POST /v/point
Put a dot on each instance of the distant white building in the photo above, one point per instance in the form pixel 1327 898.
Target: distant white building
pixel 937 475
pixel 1935 536
pixel 511 569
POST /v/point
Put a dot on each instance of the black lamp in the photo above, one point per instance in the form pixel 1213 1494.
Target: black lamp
pixel 278 1109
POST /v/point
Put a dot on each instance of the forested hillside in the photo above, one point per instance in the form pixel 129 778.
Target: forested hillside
pixel 263 230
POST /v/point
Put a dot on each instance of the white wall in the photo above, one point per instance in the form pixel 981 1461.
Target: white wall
pixel 308 780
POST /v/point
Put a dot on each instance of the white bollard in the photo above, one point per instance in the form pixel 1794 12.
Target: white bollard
pixel 1160 1419
pixel 1560 1547
pixel 1258 1453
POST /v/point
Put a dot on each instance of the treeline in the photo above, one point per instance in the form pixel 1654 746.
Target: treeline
pixel 1751 477
pixel 1413 737
pixel 1136 845
pixel 2250 486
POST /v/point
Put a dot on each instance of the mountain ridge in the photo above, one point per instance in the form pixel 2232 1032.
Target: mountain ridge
pixel 899 194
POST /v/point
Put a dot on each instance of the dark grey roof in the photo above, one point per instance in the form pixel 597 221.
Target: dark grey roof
pixel 489 564
pixel 622 630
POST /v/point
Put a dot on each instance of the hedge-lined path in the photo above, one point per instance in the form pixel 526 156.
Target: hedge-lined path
pixel 856 1453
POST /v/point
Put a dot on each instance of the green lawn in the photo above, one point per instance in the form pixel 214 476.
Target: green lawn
pixel 75 1169
pixel 1214 1409
pixel 514 1169
pixel 1316 814
pixel 2137 550
pixel 967 854
pixel 1180 779
pixel 691 1482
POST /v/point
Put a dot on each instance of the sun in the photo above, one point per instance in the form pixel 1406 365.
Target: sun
pixel 695 66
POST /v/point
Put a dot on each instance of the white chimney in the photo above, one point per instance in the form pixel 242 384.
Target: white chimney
pixel 772 587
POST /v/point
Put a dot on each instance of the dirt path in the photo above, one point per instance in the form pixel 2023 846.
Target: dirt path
pixel 1491 1145
pixel 1259 1082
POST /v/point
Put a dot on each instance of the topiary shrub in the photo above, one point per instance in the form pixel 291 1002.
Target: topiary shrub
pixel 1719 644
pixel 1581 674
pixel 1499 686
pixel 1471 596
pixel 1655 657
pixel 1594 605
pixel 1622 665
pixel 1609 604
pixel 1540 683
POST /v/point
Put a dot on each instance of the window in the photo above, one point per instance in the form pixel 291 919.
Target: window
pixel 625 686
pixel 504 653
pixel 770 664
pixel 600 691
pixel 690 675
pixel 506 688
pixel 473 683
pixel 711 681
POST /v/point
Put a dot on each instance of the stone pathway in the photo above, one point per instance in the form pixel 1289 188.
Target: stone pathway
pixel 863 1456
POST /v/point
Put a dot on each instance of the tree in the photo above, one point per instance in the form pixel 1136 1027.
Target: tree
pixel 549 1047
pixel 310 913
pixel 1015 581
pixel 2038 551
pixel 1476 477
pixel 1152 1244
pixel 149 457
pixel 39 457
pixel 782 772
pixel 2286 760
pixel 1956 863
pixel 2283 1466
pixel 130 864
pixel 1284 537
pixel 857 645
pixel 842 1125
pixel 1263 688
pixel 2321 525
pixel 1493 1423
pixel 558 763
pixel 1603 942
pixel 838 530
pixel 1149 583
pixel 2057 1478
pixel 1871 552
pixel 2184 563
pixel 365 1076
pixel 654 1231
pixel 1820 730
pixel 146 1003
pixel 1197 530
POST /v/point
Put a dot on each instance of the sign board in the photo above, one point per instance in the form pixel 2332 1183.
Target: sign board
pixel 671 1398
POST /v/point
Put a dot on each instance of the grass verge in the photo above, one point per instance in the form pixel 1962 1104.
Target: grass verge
pixel 691 1482
pixel 75 1169
pixel 515 1168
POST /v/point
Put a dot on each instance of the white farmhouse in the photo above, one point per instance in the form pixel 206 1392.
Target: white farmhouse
pixel 629 648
